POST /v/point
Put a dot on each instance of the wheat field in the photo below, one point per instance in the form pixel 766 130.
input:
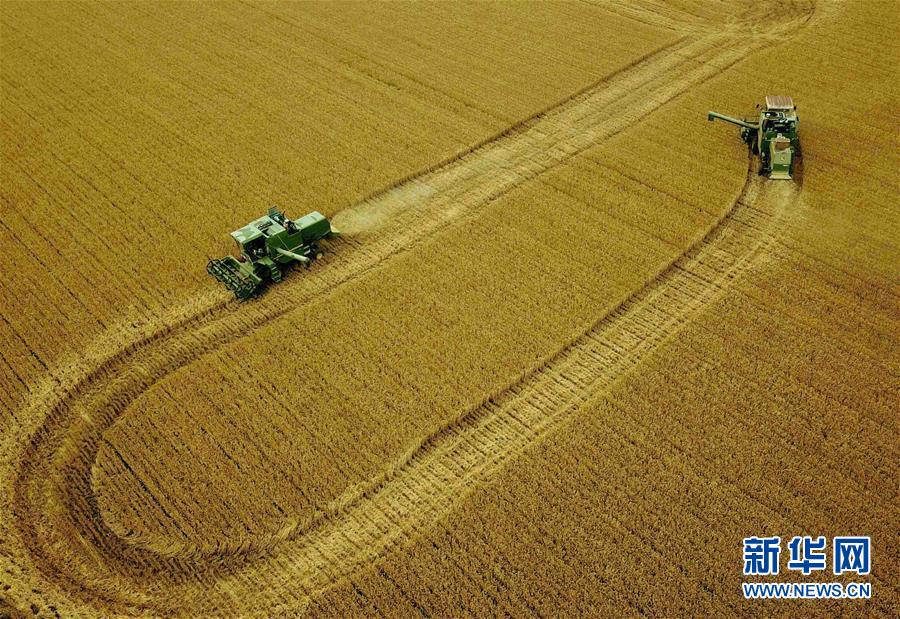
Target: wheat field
pixel 569 350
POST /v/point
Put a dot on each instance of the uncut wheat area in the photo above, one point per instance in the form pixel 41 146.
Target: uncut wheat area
pixel 573 351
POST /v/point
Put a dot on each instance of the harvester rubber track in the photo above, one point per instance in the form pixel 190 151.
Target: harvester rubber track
pixel 242 287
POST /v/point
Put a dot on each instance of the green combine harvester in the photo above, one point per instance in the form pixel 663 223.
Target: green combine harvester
pixel 772 136
pixel 268 246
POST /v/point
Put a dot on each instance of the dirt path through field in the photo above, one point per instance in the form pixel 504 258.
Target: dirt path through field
pixel 55 520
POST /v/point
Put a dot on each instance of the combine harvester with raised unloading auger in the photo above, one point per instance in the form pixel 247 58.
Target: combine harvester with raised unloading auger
pixel 772 136
pixel 267 247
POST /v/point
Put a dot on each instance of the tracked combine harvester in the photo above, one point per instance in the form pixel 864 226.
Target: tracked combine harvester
pixel 772 136
pixel 268 246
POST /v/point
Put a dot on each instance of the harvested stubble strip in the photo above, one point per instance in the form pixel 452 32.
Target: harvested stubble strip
pixel 333 395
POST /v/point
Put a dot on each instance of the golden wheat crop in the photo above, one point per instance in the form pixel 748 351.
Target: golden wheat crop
pixel 645 490
pixel 382 364
pixel 135 139
pixel 568 353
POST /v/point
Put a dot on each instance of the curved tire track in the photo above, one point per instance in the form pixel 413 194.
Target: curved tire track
pixel 468 453
pixel 53 503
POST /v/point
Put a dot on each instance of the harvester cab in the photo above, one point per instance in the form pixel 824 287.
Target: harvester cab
pixel 268 246
pixel 772 135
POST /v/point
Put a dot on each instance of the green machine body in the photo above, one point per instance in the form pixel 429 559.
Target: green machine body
pixel 772 135
pixel 267 247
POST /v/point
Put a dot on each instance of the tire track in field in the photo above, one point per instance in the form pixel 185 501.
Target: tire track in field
pixel 53 505
pixel 467 454
pixel 761 19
